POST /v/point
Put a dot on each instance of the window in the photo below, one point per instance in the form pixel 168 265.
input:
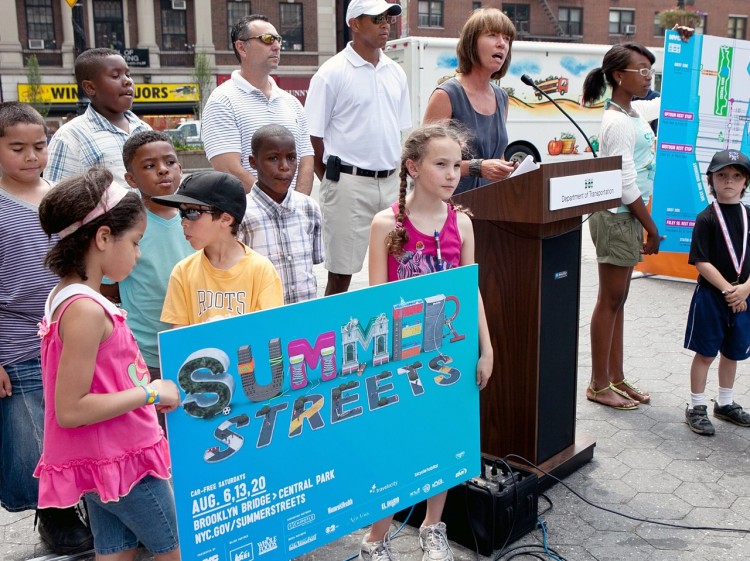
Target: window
pixel 570 20
pixel 235 11
pixel 431 13
pixel 108 26
pixel 618 19
pixel 173 28
pixel 737 28
pixel 519 15
pixel 40 21
pixel 290 27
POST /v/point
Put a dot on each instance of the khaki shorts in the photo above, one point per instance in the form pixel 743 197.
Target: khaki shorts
pixel 348 207
pixel 618 238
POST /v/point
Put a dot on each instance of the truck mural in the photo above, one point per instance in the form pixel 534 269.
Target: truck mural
pixel 552 85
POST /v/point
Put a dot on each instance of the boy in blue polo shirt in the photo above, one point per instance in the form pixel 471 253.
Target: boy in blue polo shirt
pixel 719 321
pixel 152 168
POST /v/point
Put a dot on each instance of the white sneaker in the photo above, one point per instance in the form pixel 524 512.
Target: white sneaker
pixel 377 551
pixel 434 543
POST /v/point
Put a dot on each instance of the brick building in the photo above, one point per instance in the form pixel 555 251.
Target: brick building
pixel 579 21
pixel 161 37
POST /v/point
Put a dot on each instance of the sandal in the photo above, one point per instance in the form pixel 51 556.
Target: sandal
pixel 595 394
pixel 635 392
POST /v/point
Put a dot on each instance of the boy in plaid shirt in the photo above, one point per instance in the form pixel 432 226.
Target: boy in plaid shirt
pixel 281 223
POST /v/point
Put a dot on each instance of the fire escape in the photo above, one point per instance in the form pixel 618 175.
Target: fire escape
pixel 560 35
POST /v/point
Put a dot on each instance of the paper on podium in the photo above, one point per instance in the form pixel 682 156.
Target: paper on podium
pixel 528 164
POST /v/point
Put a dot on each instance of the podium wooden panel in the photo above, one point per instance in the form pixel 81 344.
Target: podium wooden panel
pixel 529 274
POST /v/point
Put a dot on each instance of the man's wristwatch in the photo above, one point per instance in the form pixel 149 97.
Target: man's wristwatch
pixel 475 168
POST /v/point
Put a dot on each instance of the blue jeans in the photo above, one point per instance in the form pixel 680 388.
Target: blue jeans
pixel 146 514
pixel 21 434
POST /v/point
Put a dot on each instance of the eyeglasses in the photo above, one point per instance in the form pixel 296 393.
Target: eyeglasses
pixel 645 72
pixel 194 214
pixel 379 20
pixel 266 38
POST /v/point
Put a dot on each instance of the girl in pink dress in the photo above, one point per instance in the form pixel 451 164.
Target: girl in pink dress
pixel 422 233
pixel 102 439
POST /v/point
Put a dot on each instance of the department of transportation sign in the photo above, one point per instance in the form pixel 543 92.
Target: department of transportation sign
pixel 304 423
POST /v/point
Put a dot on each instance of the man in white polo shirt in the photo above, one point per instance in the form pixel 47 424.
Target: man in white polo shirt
pixel 357 106
pixel 250 100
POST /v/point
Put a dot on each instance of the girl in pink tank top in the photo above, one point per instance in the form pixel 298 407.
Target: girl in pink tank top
pixel 102 440
pixel 423 233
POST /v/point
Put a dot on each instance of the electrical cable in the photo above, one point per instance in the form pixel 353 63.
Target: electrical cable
pixel 546 498
pixel 622 514
pixel 544 539
pixel 533 548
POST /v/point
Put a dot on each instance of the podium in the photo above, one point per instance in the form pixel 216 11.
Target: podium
pixel 529 260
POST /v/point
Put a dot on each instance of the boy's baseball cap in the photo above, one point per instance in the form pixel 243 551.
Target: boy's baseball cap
pixel 216 189
pixel 370 8
pixel 729 158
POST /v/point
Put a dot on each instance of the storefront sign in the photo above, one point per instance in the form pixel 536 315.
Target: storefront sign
pixel 136 58
pixel 301 424
pixel 144 93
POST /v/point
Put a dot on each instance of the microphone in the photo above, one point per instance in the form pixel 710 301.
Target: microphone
pixel 526 79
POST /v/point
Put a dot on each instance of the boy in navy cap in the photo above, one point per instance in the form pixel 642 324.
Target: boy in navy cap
pixel 224 277
pixel 718 321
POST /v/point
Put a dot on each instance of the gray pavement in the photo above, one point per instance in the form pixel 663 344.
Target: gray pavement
pixel 647 463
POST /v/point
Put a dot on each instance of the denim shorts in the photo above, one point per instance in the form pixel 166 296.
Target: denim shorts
pixel 21 435
pixel 618 238
pixel 145 515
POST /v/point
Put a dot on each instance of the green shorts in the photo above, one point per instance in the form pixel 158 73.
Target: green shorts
pixel 618 238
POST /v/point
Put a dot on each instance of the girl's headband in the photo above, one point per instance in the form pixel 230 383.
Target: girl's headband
pixel 111 196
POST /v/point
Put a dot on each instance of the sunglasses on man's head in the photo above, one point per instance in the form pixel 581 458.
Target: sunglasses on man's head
pixel 377 20
pixel 194 214
pixel 267 38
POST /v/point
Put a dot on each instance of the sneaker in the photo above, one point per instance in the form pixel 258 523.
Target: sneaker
pixel 377 551
pixel 434 543
pixel 732 413
pixel 64 531
pixel 697 420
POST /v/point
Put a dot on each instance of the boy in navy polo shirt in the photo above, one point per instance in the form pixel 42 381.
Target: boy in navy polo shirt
pixel 719 321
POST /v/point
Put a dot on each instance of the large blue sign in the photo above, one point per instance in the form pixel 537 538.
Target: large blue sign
pixel 304 423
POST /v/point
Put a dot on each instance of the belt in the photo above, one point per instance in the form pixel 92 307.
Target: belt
pixel 354 170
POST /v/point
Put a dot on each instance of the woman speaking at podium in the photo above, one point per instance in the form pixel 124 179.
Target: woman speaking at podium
pixel 472 99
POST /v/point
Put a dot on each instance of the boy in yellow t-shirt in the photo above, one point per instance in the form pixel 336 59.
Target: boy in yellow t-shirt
pixel 224 277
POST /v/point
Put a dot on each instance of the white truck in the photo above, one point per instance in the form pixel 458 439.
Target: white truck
pixel 186 133
pixel 535 126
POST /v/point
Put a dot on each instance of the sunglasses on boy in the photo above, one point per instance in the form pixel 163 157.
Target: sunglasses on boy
pixel 265 38
pixel 645 72
pixel 194 214
pixel 378 20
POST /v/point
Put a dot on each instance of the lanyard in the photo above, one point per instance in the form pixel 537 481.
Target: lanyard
pixel 727 240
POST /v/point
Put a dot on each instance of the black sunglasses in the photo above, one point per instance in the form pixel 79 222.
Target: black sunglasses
pixel 266 38
pixel 378 20
pixel 194 214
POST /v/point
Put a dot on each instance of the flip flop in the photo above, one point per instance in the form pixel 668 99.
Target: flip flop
pixel 640 395
pixel 595 394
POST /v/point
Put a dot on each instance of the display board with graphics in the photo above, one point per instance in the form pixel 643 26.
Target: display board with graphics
pixel 304 423
pixel 705 108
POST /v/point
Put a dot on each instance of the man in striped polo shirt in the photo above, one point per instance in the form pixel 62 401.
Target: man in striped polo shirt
pixel 250 100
